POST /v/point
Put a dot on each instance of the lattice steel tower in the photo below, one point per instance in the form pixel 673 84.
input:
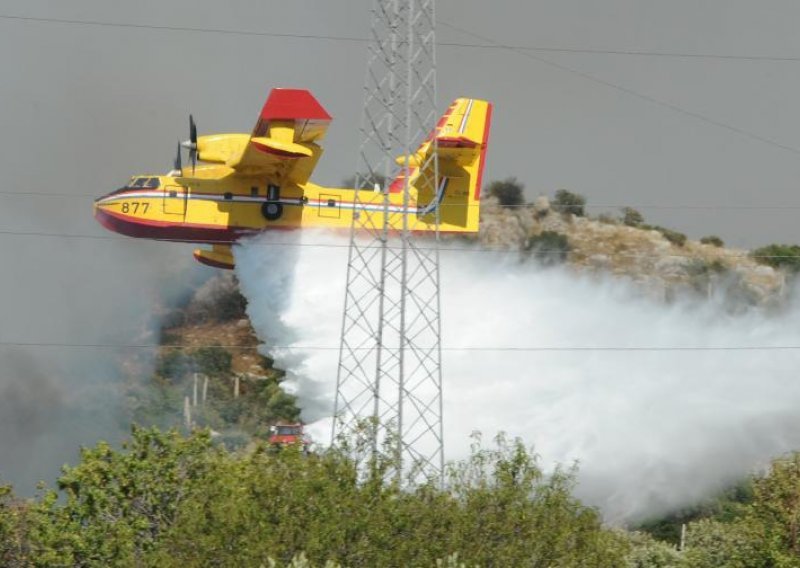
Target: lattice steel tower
pixel 390 356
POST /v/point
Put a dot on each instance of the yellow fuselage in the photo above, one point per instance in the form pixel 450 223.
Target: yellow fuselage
pixel 216 206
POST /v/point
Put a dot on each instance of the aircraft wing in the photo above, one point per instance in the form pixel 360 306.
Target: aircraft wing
pixel 220 256
pixel 284 143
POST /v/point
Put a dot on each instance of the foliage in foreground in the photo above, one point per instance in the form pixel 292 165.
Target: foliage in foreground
pixel 758 530
pixel 168 500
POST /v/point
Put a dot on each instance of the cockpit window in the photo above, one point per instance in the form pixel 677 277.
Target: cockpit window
pixel 139 182
pixel 152 183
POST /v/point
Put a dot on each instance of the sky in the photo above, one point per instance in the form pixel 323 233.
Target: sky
pixel 694 143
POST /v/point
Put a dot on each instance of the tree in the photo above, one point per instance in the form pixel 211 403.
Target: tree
pixel 548 247
pixel 764 533
pixel 168 500
pixel 712 240
pixel 569 203
pixel 736 544
pixel 213 360
pixel 777 506
pixel 631 217
pixel 675 237
pixel 508 192
pixel 114 506
pixel 779 256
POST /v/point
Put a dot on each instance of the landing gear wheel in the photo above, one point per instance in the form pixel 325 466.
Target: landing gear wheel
pixel 272 211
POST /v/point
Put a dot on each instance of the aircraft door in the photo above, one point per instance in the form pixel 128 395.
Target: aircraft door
pixel 174 200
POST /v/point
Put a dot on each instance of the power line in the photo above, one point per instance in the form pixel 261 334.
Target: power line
pixel 471 249
pixel 631 92
pixel 708 206
pixel 454 44
pixel 488 43
pixel 489 349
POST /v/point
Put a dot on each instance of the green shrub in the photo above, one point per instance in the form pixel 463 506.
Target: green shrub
pixel 213 361
pixel 631 217
pixel 779 256
pixel 166 500
pixel 647 552
pixel 508 192
pixel 217 300
pixel 229 305
pixel 701 267
pixel 568 202
pixel 548 247
pixel 173 364
pixel 712 240
pixel 607 219
pixel 675 237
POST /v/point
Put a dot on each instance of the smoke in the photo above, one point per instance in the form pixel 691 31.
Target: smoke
pixel 64 302
pixel 650 430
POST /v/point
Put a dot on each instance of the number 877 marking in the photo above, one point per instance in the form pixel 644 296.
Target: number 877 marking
pixel 133 206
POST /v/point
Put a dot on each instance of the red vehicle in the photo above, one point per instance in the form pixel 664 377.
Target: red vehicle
pixel 287 434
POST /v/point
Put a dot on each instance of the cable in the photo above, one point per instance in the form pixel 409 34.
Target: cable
pixel 490 349
pixel 715 207
pixel 349 39
pixel 346 245
pixel 491 44
pixel 631 92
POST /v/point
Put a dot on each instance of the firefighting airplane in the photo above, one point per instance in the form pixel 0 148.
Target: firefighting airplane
pixel 260 181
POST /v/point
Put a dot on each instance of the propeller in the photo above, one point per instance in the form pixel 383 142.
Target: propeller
pixel 177 165
pixel 191 144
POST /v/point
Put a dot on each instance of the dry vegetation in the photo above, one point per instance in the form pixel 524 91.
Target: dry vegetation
pixel 661 261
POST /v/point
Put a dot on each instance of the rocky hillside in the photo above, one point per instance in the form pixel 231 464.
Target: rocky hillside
pixel 662 262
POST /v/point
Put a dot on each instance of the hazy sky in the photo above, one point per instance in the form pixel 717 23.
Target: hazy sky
pixel 82 107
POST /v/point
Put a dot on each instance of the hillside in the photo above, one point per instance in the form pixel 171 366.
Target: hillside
pixel 208 371
pixel 210 335
pixel 197 494
pixel 659 261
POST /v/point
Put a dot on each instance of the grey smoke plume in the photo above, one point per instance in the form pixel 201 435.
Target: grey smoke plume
pixel 651 430
pixel 64 301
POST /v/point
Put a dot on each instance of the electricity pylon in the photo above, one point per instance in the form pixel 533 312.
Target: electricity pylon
pixel 390 354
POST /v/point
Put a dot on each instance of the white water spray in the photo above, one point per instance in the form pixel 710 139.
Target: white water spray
pixel 651 430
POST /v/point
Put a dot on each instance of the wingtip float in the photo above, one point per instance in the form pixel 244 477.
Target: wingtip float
pixel 248 183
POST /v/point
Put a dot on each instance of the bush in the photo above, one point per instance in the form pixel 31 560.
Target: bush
pixel 648 552
pixel 568 202
pixel 508 192
pixel 712 240
pixel 213 361
pixel 779 256
pixel 166 500
pixel 631 217
pixel 548 247
pixel 676 238
pixel 173 364
pixel 218 300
